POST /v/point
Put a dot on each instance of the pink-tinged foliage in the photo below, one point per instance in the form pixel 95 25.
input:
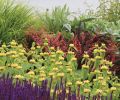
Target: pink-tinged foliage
pixel 37 40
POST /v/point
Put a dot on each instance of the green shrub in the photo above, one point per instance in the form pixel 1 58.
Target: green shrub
pixel 55 20
pixel 14 18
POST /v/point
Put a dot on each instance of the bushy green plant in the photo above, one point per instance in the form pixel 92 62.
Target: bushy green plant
pixel 94 24
pixel 80 23
pixel 14 18
pixel 54 21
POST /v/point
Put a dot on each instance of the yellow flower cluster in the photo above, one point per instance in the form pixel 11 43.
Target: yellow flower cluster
pixel 85 56
pixel 2 54
pixel 59 52
pixel 71 45
pixel 74 59
pixel 104 68
pixel 32 61
pixel 87 90
pixel 78 83
pixel 13 43
pixel 60 74
pixel 113 88
pixel 98 91
pixel 70 52
pixel 31 73
pixel 69 83
pixel 86 81
pixel 85 66
pixel 19 77
pixel 2 68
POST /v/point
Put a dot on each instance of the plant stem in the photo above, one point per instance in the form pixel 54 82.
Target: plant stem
pixel 111 96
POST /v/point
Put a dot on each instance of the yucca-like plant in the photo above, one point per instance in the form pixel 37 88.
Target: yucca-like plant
pixel 14 19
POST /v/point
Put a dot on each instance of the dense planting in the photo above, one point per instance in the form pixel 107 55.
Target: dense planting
pixel 60 70
pixel 83 42
pixel 54 57
pixel 26 91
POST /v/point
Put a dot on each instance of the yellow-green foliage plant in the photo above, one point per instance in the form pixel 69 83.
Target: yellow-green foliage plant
pixel 93 80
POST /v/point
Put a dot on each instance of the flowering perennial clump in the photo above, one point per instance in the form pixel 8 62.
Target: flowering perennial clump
pixel 55 73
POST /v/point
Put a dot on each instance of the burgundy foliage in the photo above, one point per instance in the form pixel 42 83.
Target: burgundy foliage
pixel 84 42
pixel 59 41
